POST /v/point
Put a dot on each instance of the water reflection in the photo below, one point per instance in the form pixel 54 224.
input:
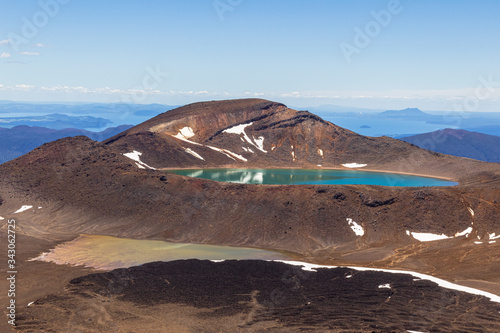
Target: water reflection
pixel 317 177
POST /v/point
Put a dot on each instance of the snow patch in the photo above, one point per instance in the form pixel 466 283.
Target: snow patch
pixel 139 166
pixel 2 218
pixel 23 209
pixel 136 156
pixel 492 236
pixel 427 237
pixel 438 281
pixel 293 156
pixel 40 207
pixel 385 286
pixel 229 154
pixel 240 130
pixel 260 143
pixel 31 303
pixel 478 242
pixel 354 165
pixel 491 242
pixel 185 133
pixel 465 233
pixel 470 211
pixel 348 276
pixel 320 152
pixel 358 230
pixel 195 154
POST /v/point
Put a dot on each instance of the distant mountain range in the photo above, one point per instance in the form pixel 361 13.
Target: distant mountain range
pixel 56 121
pixel 461 143
pixel 20 140
pixel 406 122
pixel 108 114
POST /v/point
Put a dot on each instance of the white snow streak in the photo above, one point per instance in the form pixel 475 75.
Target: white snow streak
pixel 260 143
pixel 354 165
pixel 22 209
pixel 2 218
pixel 438 281
pixel 385 286
pixel 228 153
pixel 240 130
pixel 465 233
pixel 492 236
pixel 136 156
pixel 320 152
pixel 187 132
pixel 31 303
pixel 427 237
pixel 470 211
pixel 195 154
pixel 358 230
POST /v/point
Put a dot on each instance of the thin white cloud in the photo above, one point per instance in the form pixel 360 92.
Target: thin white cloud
pixel 5 55
pixel 39 45
pixel 5 42
pixel 24 87
pixel 30 53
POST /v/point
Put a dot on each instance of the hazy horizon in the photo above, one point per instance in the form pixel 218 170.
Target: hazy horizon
pixel 389 54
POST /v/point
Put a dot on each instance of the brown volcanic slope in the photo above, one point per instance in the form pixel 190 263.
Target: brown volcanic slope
pixel 288 138
pixel 89 187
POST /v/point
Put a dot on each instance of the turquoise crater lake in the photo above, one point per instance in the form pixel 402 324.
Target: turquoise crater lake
pixel 311 177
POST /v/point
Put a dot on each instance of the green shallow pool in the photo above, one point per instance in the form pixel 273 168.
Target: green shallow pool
pixel 105 252
pixel 311 177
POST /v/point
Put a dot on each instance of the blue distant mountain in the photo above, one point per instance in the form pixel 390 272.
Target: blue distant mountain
pixel 408 114
pixel 20 140
pixel 461 143
pixel 56 121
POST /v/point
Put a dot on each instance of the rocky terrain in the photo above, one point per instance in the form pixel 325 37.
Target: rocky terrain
pixel 78 186
pixel 257 296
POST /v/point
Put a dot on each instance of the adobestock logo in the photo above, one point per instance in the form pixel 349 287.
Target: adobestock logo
pixel 31 26
pixel 223 6
pixel 373 28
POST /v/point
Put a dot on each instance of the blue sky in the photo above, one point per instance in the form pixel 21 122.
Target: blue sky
pixel 435 55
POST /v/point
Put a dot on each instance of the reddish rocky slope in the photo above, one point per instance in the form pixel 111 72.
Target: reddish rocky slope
pixel 260 133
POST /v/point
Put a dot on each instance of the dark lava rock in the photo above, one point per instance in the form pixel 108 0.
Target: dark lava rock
pixel 339 299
